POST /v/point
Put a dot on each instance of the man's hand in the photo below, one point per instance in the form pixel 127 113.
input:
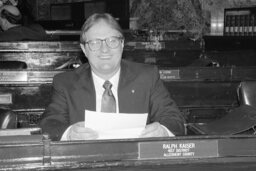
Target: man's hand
pixel 79 132
pixel 154 130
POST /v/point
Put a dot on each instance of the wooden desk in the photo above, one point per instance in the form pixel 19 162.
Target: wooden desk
pixel 210 153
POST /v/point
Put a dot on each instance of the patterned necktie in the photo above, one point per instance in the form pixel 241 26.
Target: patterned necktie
pixel 108 102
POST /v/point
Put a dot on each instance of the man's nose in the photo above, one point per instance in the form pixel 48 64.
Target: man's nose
pixel 104 46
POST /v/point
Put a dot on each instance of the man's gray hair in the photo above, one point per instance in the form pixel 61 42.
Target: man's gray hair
pixel 95 18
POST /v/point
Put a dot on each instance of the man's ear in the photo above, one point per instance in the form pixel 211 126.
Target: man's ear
pixel 122 44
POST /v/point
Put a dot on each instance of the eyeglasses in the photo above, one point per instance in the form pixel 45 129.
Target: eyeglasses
pixel 112 42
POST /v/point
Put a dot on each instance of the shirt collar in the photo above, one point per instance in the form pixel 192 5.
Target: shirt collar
pixel 114 79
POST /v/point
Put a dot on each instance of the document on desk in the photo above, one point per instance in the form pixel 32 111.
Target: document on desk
pixel 116 125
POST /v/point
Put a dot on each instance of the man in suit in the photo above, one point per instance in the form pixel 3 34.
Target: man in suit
pixel 12 28
pixel 137 88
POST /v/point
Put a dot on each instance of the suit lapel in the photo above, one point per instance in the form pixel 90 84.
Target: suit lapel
pixel 125 89
pixel 84 89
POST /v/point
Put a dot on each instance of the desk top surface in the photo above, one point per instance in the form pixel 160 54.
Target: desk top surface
pixel 194 152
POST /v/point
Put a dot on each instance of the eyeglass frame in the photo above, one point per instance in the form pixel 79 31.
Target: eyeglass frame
pixel 120 38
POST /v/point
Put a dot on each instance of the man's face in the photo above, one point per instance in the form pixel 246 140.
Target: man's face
pixel 105 61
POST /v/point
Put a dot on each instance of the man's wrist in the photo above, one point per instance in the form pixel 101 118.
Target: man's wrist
pixel 170 134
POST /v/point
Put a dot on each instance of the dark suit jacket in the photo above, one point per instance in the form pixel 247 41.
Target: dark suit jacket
pixel 73 92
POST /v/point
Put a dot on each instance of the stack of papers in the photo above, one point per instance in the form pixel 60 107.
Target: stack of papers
pixel 116 125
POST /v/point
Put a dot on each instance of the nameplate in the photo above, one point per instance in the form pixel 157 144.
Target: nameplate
pixel 6 98
pixel 178 149
pixel 150 60
pixel 44 46
pixel 13 76
pixel 169 74
pixel 152 45
pixel 19 131
pixel 41 76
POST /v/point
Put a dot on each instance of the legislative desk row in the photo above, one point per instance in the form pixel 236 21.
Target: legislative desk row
pixel 188 153
pixel 172 53
pixel 62 54
pixel 202 93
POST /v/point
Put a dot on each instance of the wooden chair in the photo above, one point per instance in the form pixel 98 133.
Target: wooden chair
pixel 246 92
pixel 8 119
pixel 240 120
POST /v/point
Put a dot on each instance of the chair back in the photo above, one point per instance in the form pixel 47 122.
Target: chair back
pixel 247 93
pixel 8 119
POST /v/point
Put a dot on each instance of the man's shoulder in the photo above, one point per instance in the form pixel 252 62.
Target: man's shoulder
pixel 72 74
pixel 139 71
pixel 138 66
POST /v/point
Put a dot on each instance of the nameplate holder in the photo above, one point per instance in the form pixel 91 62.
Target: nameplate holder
pixel 178 149
pixel 13 76
pixel 169 74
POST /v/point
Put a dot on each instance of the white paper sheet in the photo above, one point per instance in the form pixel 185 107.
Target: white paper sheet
pixel 116 125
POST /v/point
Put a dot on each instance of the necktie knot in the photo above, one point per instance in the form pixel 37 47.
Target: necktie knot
pixel 107 85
